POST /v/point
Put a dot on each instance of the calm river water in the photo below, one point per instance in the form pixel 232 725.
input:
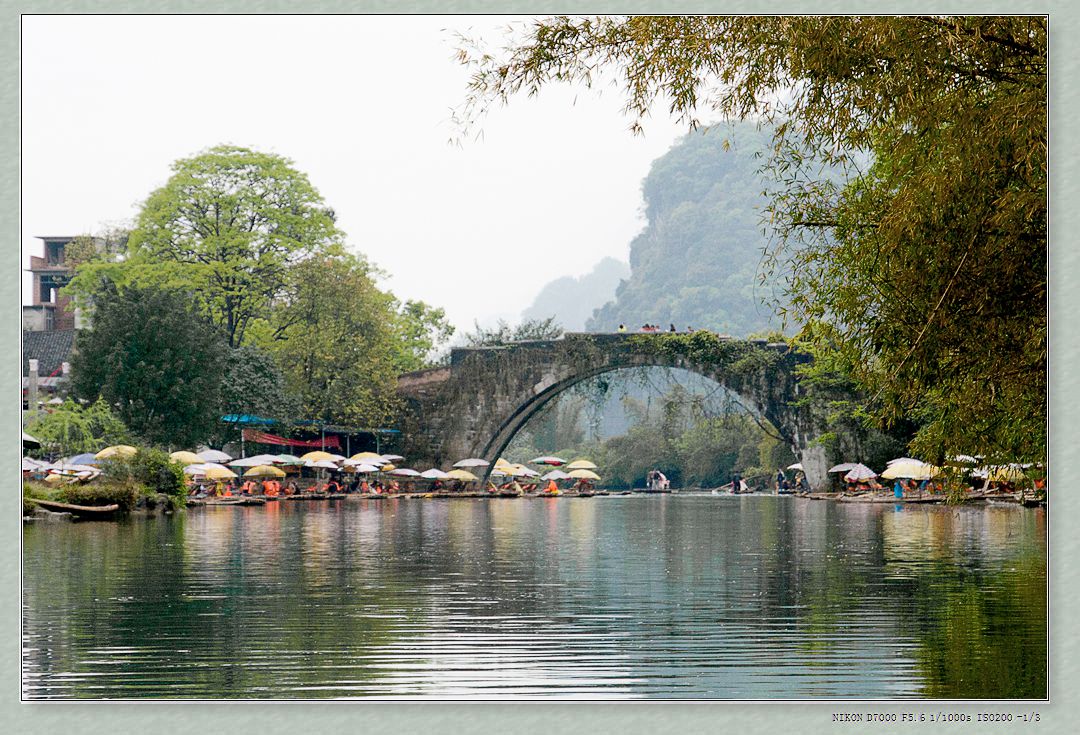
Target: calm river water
pixel 672 596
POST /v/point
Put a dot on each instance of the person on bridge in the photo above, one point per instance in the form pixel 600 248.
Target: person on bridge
pixel 622 327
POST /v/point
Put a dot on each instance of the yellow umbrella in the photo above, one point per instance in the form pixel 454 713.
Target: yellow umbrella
pixel 186 458
pixel 464 475
pixel 1008 473
pixel 263 470
pixel 121 450
pixel 911 469
pixel 53 477
pixel 316 455
pixel 500 462
pixel 388 467
pixel 581 464
pixel 366 455
pixel 584 474
pixel 219 473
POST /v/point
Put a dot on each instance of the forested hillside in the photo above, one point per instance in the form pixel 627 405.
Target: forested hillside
pixel 696 263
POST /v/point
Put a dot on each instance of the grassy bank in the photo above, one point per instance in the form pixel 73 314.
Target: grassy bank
pixel 96 494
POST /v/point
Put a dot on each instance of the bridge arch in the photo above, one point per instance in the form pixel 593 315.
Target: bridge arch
pixel 474 408
pixel 531 404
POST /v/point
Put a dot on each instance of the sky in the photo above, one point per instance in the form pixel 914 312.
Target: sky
pixel 362 105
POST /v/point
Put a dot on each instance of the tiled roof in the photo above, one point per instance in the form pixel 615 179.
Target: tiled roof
pixel 49 348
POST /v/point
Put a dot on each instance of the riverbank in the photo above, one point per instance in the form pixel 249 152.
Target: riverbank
pixel 971 498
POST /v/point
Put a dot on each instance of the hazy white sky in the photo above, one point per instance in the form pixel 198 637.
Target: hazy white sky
pixel 362 105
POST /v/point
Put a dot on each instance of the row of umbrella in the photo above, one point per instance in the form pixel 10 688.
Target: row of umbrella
pixel 215 465
pixel 578 469
pixel 907 468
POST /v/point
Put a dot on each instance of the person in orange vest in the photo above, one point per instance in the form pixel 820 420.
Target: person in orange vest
pixel 551 487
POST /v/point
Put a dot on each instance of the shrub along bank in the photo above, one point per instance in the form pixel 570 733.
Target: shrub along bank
pixel 127 482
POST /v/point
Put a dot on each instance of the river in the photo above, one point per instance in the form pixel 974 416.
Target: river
pixel 643 596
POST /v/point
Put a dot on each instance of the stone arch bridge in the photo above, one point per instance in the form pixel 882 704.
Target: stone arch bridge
pixel 474 407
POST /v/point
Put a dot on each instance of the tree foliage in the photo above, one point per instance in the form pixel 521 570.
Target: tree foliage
pixel 926 270
pixel 73 428
pixel 503 333
pixel 421 330
pixel 253 385
pixel 154 359
pixel 226 226
pixel 333 336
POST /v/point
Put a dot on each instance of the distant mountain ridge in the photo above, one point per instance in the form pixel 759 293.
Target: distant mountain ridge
pixel 573 300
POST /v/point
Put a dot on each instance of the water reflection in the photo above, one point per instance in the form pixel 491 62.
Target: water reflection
pixel 624 596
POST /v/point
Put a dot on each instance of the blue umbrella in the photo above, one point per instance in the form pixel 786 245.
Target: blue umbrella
pixel 85 458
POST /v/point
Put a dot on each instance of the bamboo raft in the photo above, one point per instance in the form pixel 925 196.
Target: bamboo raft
pixel 80 511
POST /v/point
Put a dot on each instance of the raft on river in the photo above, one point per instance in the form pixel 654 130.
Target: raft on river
pixel 79 511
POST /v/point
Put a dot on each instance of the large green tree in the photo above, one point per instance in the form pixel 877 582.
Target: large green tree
pixel 226 226
pixel 927 271
pixel 333 335
pixel 154 359
pixel 252 385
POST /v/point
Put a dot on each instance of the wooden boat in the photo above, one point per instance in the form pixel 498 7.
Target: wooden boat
pixel 889 499
pixel 236 501
pixel 80 511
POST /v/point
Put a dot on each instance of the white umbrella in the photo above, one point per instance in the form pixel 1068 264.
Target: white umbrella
pixel 472 462
pixel 213 455
pixel 796 466
pixel 323 463
pixel 392 457
pixel 29 441
pixel 435 474
pixel 360 465
pixel 845 467
pixel 255 461
pixel 556 475
pixel 195 469
pixel 904 459
pixel 405 472
pixel 72 469
pixel 554 461
pixel 860 472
